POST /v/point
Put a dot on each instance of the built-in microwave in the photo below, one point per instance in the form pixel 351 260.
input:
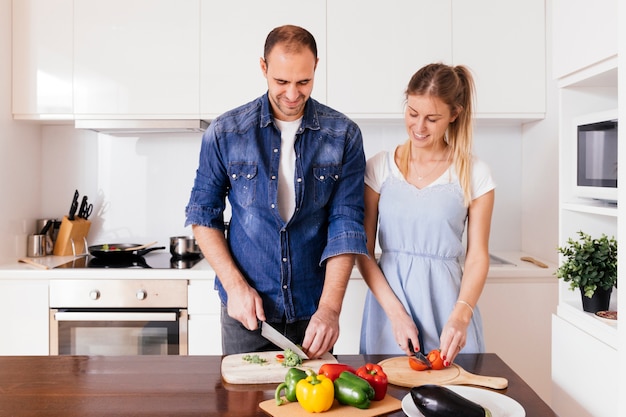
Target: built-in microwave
pixel 596 155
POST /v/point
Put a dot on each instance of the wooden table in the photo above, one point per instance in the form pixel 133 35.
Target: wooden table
pixel 175 386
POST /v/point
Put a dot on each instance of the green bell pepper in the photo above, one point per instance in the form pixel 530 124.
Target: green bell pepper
pixel 353 390
pixel 291 380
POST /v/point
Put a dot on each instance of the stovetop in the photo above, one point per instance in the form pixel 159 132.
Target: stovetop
pixel 151 260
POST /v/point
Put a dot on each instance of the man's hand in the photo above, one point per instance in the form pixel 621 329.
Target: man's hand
pixel 246 306
pixel 322 333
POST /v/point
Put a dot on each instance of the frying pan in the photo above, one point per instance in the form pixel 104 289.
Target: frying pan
pixel 120 252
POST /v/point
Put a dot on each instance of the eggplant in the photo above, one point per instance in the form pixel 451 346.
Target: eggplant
pixel 437 401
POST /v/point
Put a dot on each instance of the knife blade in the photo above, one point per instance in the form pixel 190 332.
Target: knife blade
pixel 420 356
pixel 279 340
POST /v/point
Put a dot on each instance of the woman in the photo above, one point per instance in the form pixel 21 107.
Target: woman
pixel 422 195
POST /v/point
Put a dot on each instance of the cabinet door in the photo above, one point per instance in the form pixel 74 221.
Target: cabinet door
pixel 503 43
pixel 583 34
pixel 42 59
pixel 232 40
pixel 595 389
pixel 204 327
pixel 374 48
pixel 137 58
pixel 24 318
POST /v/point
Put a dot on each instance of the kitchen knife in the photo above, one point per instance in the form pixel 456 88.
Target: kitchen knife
pixel 279 340
pixel 419 356
pixel 74 206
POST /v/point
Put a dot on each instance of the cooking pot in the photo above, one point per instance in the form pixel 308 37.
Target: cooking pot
pixel 184 247
pixel 120 251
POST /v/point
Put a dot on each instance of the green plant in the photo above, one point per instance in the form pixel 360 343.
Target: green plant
pixel 589 263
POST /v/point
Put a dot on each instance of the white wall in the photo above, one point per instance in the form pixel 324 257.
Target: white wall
pixel 140 185
pixel 20 150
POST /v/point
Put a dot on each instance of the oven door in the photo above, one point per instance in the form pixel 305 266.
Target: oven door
pixel 115 331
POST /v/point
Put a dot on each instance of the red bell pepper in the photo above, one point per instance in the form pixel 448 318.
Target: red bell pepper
pixel 332 370
pixel 375 376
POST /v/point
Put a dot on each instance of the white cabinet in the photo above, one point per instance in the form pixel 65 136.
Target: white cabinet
pixel 204 328
pixel 136 59
pixel 586 66
pixel 375 48
pixel 516 316
pixel 503 43
pixel 351 316
pixel 583 34
pixel 232 40
pixel 24 317
pixel 42 59
pixel 583 390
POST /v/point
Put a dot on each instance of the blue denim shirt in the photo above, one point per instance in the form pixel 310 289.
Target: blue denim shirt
pixel 239 160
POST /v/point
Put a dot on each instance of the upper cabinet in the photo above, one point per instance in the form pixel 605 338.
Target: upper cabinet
pixel 372 57
pixel 232 40
pixel 583 35
pixel 167 59
pixel 503 42
pixel 42 59
pixel 137 58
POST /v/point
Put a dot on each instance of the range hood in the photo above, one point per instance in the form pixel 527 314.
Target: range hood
pixel 142 126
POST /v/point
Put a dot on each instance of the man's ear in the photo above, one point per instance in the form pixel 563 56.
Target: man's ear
pixel 263 65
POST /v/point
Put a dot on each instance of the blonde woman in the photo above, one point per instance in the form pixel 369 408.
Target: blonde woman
pixel 420 198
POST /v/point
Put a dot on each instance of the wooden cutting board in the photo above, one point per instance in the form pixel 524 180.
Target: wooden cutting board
pixel 400 373
pixel 235 370
pixel 388 405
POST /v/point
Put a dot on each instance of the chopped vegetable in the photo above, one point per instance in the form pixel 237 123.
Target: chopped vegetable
pixel 434 356
pixel 291 359
pixel 255 359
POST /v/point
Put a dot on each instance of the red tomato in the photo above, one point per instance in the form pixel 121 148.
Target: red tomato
pixel 434 356
pixel 416 365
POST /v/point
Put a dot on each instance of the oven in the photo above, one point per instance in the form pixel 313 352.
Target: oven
pixel 118 317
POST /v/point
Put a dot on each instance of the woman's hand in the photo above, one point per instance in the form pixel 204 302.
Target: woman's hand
pixel 452 339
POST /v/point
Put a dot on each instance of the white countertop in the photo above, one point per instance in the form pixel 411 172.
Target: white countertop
pixel 202 270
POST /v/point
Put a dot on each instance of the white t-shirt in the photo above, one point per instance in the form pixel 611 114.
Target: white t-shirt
pixel 287 168
pixel 381 165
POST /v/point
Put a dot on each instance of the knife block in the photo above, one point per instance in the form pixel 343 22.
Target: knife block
pixel 72 237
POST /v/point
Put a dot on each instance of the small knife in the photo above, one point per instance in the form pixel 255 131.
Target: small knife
pixel 279 340
pixel 419 356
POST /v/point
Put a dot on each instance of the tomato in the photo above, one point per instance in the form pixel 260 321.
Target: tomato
pixel 434 356
pixel 416 365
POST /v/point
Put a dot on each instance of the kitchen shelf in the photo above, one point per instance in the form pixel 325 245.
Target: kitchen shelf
pixel 570 309
pixel 592 207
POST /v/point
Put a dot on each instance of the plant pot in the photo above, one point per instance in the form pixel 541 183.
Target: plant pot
pixel 599 301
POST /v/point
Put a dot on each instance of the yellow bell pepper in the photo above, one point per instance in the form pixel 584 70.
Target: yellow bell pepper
pixel 315 393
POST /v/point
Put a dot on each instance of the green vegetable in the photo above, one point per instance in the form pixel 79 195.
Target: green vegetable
pixel 255 359
pixel 437 401
pixel 353 390
pixel 291 358
pixel 291 380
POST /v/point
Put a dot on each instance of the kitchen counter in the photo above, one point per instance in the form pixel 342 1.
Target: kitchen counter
pixel 176 386
pixel 512 269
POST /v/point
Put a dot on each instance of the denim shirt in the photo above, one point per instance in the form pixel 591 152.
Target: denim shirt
pixel 239 160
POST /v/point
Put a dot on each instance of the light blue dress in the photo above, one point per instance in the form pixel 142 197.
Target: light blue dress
pixel 421 236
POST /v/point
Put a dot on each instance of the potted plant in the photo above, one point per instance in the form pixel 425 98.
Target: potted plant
pixel 590 265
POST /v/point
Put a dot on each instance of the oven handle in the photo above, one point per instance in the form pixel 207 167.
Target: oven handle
pixel 114 316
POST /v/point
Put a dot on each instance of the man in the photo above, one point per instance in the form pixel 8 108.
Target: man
pixel 292 170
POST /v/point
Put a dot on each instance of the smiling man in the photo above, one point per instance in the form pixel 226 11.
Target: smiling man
pixel 292 170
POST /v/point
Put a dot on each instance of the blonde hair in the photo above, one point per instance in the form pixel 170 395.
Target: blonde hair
pixel 454 86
